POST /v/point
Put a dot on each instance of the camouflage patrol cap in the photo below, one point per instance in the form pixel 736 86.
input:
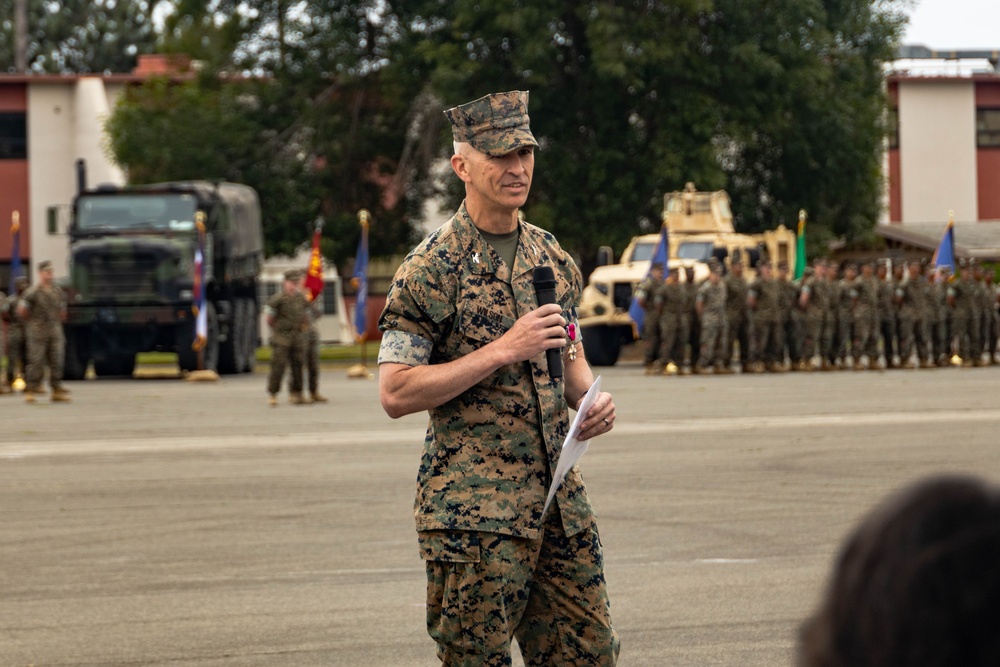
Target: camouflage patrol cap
pixel 293 275
pixel 495 124
pixel 45 265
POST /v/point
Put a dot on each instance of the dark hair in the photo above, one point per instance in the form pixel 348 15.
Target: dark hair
pixel 916 585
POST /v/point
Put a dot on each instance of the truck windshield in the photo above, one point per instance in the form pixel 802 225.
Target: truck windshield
pixel 168 211
pixel 699 251
pixel 642 252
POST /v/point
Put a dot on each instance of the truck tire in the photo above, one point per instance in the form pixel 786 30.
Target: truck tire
pixel 77 355
pixel 250 334
pixel 230 352
pixel 115 365
pixel 602 345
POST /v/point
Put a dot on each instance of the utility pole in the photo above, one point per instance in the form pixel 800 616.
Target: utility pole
pixel 20 36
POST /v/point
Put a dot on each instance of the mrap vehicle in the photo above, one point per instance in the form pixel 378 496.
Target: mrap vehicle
pixel 132 276
pixel 699 228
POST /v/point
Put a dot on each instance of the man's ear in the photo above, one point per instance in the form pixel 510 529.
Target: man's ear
pixel 460 165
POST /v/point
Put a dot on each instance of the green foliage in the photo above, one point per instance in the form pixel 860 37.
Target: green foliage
pixel 328 106
pixel 77 36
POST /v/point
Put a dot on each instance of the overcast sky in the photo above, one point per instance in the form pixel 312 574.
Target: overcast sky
pixel 955 24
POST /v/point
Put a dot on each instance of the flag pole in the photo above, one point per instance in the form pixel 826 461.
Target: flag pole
pixel 360 283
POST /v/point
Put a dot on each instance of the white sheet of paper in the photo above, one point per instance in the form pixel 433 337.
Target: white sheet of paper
pixel 572 448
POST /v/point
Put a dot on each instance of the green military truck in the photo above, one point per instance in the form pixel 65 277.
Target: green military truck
pixel 132 276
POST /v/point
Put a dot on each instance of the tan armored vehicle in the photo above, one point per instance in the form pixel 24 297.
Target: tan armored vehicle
pixel 699 226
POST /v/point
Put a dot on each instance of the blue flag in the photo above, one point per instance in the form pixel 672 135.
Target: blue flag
pixel 360 282
pixel 635 309
pixel 15 250
pixel 945 253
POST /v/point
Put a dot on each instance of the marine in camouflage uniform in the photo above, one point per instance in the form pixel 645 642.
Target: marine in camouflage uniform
pixel 910 296
pixel 43 309
pixel 647 297
pixel 672 297
pixel 829 342
pixel 4 381
pixel 315 311
pixel 711 308
pixel 763 300
pixel 287 315
pixel 865 313
pixel 692 341
pixel 844 298
pixel 791 325
pixel 886 313
pixel 941 336
pixel 812 301
pixel 17 340
pixel 986 299
pixel 962 299
pixel 736 315
pixel 990 313
pixel 464 339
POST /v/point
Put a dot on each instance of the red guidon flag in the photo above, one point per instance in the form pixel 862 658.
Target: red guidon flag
pixel 314 274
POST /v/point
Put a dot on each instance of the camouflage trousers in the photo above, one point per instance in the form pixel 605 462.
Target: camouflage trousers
pixel 714 334
pixel 865 337
pixel 46 349
pixel 650 336
pixel 913 337
pixel 965 326
pixel 738 331
pixel 312 360
pixel 767 342
pixel 281 356
pixel 17 355
pixel 672 334
pixel 549 594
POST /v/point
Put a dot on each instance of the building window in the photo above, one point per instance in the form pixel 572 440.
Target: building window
pixel 330 291
pixel 13 136
pixel 988 128
pixel 893 127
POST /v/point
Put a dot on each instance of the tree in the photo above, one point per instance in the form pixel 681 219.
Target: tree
pixel 73 36
pixel 779 102
pixel 296 104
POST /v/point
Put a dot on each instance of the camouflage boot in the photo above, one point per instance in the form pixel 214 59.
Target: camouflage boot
pixel 296 398
pixel 29 396
pixel 272 400
pixel 319 398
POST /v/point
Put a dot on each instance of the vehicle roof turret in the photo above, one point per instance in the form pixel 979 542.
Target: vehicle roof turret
pixel 692 212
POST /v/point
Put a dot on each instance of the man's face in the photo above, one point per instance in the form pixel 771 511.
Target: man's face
pixel 867 270
pixel 819 270
pixel 737 269
pixel 290 286
pixel 500 182
pixel 45 276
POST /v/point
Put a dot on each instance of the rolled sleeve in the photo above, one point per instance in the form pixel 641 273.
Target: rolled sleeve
pixel 402 347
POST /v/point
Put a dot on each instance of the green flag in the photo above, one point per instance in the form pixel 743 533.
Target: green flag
pixel 800 247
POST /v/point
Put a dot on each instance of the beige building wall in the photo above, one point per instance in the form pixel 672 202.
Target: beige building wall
pixel 67 123
pixel 937 150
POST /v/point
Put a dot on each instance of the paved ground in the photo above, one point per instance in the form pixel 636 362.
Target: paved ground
pixel 162 522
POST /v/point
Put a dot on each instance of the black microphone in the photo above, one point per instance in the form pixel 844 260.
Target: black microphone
pixel 544 282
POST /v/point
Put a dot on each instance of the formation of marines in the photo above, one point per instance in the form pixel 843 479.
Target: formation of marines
pixel 868 316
